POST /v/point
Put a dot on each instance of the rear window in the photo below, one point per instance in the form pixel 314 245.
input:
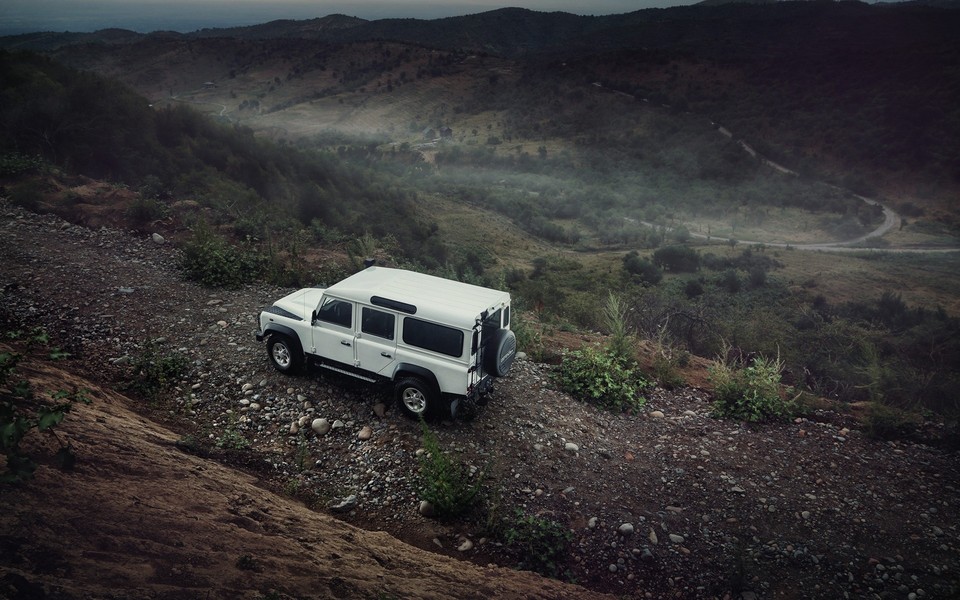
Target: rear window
pixel 433 337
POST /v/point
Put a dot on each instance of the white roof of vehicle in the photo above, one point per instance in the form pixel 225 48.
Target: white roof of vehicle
pixel 436 299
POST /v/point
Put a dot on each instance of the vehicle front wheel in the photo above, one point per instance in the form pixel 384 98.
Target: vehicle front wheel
pixel 285 354
pixel 415 397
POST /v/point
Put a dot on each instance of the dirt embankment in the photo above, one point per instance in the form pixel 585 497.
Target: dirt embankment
pixel 139 518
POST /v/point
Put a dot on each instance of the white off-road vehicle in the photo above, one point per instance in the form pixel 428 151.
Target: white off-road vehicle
pixel 439 342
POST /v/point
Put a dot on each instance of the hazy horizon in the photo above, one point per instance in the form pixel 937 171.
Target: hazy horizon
pixel 25 16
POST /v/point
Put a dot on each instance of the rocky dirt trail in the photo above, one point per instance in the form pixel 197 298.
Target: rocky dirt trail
pixel 667 503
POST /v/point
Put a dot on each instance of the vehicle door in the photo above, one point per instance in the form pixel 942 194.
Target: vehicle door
pixel 333 331
pixel 376 342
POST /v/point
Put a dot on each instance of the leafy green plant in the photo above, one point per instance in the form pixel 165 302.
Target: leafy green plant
pixel 540 542
pixel 444 482
pixel 528 335
pixel 213 261
pixel 143 210
pixel 231 438
pixel 14 163
pixel 155 370
pixel 19 415
pixel 749 392
pixel 600 377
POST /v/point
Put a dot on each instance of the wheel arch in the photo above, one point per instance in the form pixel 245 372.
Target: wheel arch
pixel 276 328
pixel 411 370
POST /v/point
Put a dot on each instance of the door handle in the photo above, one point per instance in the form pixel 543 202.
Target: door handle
pixel 385 355
pixel 344 343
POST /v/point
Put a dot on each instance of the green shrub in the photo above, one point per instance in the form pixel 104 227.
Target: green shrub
pixel 155 370
pixel 600 377
pixel 528 335
pixel 751 392
pixel 540 542
pixel 20 413
pixel 144 210
pixel 211 260
pixel 14 163
pixel 444 482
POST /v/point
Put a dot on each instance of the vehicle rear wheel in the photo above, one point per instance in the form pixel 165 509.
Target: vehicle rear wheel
pixel 416 398
pixel 285 354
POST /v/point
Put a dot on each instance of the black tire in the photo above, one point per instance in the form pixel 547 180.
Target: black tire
pixel 417 398
pixel 285 354
pixel 500 352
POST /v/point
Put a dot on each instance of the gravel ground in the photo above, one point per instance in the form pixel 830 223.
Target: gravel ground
pixel 666 503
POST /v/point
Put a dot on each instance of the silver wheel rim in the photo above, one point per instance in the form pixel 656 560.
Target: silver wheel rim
pixel 414 400
pixel 281 355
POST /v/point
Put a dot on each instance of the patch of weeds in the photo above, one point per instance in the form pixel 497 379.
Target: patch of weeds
pixel 292 487
pixel 231 438
pixel 156 370
pixel 20 414
pixel 14 163
pixel 667 362
pixel 529 338
pixel 145 210
pixel 301 456
pixel 601 377
pixel 749 392
pixel 444 482
pixel 541 543
pixel 210 259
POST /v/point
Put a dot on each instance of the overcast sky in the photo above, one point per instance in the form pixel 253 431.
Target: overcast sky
pixel 19 16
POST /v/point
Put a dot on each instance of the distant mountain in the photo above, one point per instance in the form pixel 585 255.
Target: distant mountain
pixel 706 28
pixel 719 2
pixel 285 28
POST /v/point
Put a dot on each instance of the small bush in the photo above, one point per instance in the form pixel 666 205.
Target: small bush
pixel 14 163
pixel 21 413
pixel 156 370
pixel 146 210
pixel 444 482
pixel 751 392
pixel 213 261
pixel 540 542
pixel 529 338
pixel 600 377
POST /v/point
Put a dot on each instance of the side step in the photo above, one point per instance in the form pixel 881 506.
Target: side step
pixel 350 373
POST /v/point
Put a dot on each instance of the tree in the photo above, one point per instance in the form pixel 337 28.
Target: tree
pixel 679 259
pixel 641 268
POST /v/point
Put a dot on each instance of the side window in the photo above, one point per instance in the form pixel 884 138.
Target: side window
pixel 378 323
pixel 431 336
pixel 338 312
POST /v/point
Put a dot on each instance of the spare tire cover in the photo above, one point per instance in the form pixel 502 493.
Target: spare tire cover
pixel 500 353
